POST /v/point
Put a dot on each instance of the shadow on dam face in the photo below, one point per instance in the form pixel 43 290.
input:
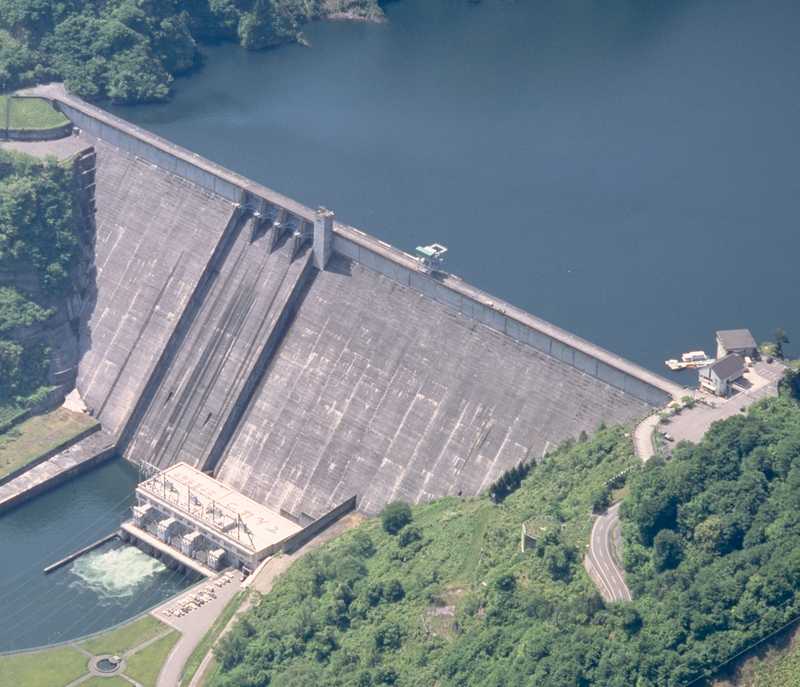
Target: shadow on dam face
pixel 215 340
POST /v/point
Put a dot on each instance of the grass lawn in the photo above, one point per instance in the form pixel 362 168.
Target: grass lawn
pixel 54 668
pixel 113 681
pixel 145 665
pixel 61 666
pixel 126 637
pixel 210 637
pixel 27 441
pixel 30 113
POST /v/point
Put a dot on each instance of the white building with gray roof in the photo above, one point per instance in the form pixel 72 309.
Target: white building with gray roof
pixel 718 377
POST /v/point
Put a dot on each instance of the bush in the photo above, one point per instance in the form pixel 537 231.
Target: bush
pixel 409 535
pixel 395 517
pixel 601 498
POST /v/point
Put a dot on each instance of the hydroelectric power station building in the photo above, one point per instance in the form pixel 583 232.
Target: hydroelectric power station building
pixel 207 521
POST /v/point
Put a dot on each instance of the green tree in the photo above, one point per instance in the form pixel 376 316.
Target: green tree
pixel 667 550
pixel 395 517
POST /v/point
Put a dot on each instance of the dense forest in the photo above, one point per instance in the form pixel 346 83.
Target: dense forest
pixel 39 247
pixel 441 594
pixel 131 50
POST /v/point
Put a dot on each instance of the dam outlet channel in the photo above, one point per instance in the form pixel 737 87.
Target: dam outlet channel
pixel 97 590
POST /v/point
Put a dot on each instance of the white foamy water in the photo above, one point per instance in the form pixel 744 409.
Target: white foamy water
pixel 116 573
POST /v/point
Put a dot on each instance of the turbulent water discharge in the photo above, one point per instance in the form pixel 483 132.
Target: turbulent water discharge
pixel 116 573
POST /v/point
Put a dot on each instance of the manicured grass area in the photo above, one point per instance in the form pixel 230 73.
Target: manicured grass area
pixel 54 668
pixel 126 637
pixel 29 113
pixel 145 665
pixel 113 681
pixel 210 637
pixel 61 666
pixel 27 441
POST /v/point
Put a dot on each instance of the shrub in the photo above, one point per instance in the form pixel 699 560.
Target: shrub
pixel 409 535
pixel 393 591
pixel 395 517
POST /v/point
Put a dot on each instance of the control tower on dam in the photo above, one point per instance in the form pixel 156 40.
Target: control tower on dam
pixel 302 361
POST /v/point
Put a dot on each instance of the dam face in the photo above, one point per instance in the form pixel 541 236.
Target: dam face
pixel 303 361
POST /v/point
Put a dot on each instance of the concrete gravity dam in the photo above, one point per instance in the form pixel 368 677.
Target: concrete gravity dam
pixel 299 360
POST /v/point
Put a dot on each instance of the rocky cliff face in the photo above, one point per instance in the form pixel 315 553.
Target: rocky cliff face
pixel 39 325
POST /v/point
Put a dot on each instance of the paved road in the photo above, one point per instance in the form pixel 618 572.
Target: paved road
pixel 758 383
pixel 600 561
pixel 193 627
pixel 643 437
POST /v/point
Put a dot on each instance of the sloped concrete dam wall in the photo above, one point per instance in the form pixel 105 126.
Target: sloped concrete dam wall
pixel 381 391
pixel 155 238
pixel 215 345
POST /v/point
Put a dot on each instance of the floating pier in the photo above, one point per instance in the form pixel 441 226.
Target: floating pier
pixel 690 360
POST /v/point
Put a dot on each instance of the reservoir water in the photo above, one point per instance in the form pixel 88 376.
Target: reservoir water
pixel 96 591
pixel 627 170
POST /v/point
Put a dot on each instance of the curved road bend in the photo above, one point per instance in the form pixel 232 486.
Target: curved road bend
pixel 600 562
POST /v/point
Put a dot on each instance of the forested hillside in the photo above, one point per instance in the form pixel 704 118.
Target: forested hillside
pixel 442 594
pixel 39 248
pixel 131 50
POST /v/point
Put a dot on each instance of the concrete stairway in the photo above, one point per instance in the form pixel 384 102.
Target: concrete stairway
pixel 207 385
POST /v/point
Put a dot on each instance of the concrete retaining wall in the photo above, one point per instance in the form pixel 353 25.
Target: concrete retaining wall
pixel 39 134
pixel 56 480
pixel 307 533
pixel 49 454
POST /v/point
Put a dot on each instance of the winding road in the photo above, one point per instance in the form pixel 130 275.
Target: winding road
pixel 601 560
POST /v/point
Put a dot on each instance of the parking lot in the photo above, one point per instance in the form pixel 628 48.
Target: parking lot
pixel 760 381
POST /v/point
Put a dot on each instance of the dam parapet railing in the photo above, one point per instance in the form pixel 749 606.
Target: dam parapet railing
pixel 369 251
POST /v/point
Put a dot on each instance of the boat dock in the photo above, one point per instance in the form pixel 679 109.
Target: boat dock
pixel 690 360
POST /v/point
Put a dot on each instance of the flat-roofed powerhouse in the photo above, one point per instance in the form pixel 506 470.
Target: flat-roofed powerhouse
pixel 213 506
